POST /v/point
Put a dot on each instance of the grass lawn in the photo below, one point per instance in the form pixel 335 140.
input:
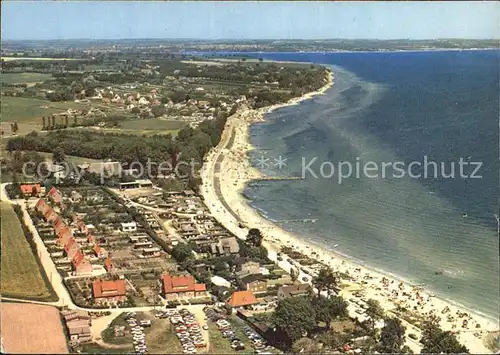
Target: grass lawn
pixel 24 78
pixel 218 344
pixel 21 274
pixel 27 110
pixel 108 335
pixel 160 338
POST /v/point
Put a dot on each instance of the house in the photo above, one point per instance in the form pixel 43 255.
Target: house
pixel 78 325
pixel 71 248
pixel 151 252
pixel 143 101
pixel 108 265
pixel 225 246
pixel 55 196
pixel 80 264
pixel 182 287
pixel 109 291
pixel 255 283
pixel 129 227
pixel 100 252
pixel 293 291
pixel 30 190
pixel 241 299
pixel 250 268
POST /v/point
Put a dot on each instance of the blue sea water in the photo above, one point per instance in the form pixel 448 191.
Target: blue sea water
pixel 388 107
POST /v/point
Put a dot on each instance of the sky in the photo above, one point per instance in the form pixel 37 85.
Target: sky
pixel 249 20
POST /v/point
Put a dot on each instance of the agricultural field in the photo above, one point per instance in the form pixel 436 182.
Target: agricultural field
pixel 30 111
pixel 32 329
pixel 24 78
pixel 21 274
pixel 9 59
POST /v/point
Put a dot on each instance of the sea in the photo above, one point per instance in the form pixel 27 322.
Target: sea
pixel 437 226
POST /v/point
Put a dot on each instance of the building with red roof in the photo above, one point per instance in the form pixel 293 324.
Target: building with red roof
pixel 109 291
pixel 100 252
pixel 55 195
pixel 108 265
pixel 241 299
pixel 29 190
pixel 182 287
pixel 71 248
pixel 80 264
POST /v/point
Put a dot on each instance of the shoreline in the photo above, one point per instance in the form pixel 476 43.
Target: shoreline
pixel 223 190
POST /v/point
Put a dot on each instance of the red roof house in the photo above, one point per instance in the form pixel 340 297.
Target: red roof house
pixel 30 189
pixel 108 265
pixel 109 291
pixel 100 252
pixel 71 248
pixel 241 299
pixel 55 195
pixel 182 287
pixel 81 264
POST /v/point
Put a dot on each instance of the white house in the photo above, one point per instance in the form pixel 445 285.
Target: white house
pixel 129 227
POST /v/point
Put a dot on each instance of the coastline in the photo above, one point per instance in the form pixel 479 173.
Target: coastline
pixel 226 175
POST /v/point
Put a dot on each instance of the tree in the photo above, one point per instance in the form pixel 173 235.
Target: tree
pixel 392 336
pixel 254 237
pixel 294 275
pixel 306 345
pixel 325 280
pixel 327 309
pixel 374 311
pixel 435 340
pixel 158 110
pixel 58 155
pixel 14 127
pixel 43 122
pixel 295 316
pixel 182 252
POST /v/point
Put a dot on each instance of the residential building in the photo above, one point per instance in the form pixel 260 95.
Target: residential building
pixel 182 287
pixel 293 291
pixel 250 268
pixel 225 246
pixel 78 325
pixel 255 283
pixel 241 299
pixel 81 265
pixel 30 190
pixel 109 291
pixel 108 265
pixel 100 252
pixel 129 227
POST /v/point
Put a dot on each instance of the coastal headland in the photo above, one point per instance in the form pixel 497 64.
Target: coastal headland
pixel 227 172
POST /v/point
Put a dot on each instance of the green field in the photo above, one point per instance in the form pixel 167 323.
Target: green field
pixel 21 274
pixel 26 110
pixel 24 78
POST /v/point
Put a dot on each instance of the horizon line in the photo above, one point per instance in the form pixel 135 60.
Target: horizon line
pixel 252 39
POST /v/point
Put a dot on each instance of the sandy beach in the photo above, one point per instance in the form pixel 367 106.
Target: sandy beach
pixel 225 175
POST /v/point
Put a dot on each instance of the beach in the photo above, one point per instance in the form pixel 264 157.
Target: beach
pixel 225 176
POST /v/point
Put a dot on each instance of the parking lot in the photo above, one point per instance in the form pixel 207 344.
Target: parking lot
pixel 230 330
pixel 137 329
pixel 186 328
